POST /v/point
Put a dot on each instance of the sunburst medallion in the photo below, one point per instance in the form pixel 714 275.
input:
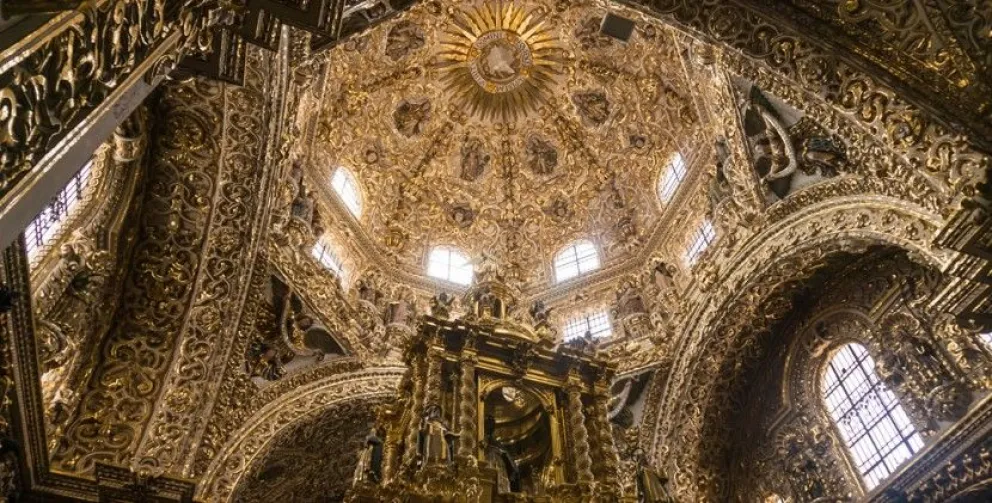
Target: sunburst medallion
pixel 500 60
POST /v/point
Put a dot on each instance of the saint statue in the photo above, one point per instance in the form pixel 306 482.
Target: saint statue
pixel 652 486
pixel 507 472
pixel 370 461
pixel 436 440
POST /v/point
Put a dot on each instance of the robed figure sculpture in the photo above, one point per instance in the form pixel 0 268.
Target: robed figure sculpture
pixel 652 486
pixel 370 461
pixel 436 440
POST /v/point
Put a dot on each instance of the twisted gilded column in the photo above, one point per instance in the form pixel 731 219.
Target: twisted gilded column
pixel 416 412
pixel 577 422
pixel 606 452
pixel 434 378
pixel 467 409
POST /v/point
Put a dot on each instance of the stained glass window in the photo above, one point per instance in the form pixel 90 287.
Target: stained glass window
pixel 875 428
pixel 576 259
pixel 346 187
pixel 46 226
pixel 702 240
pixel 598 324
pixel 672 179
pixel 450 265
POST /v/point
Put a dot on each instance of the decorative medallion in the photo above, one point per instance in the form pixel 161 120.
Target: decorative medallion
pixel 500 60
pixel 474 160
pixel 593 107
pixel 411 116
pixel 589 35
pixel 462 215
pixel 542 156
pixel 404 39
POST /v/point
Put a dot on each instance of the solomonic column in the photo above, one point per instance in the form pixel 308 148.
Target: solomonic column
pixel 416 413
pixel 467 409
pixel 577 422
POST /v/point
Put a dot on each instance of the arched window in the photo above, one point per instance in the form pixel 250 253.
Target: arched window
pixel 597 324
pixel 323 253
pixel 449 264
pixel 575 260
pixel 875 428
pixel 669 183
pixel 701 240
pixel 346 187
pixel 45 227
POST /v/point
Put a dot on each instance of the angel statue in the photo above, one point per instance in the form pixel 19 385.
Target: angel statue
pixel 441 305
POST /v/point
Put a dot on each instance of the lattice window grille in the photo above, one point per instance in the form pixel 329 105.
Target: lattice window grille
pixel 597 324
pixel 42 231
pixel 672 179
pixel 450 265
pixel 875 428
pixel 575 260
pixel 326 257
pixel 701 240
pixel 346 187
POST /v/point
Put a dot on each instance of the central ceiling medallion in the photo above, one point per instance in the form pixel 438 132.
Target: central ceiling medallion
pixel 500 60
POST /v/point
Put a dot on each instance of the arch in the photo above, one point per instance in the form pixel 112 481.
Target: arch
pixel 450 264
pixel 576 259
pixel 238 455
pixel 873 425
pixel 349 192
pixel 789 250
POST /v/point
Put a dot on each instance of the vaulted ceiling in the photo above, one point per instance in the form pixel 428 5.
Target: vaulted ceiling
pixel 504 129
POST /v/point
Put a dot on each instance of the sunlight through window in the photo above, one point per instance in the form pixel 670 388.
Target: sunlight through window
pixel 576 259
pixel 46 226
pixel 672 179
pixel 876 429
pixel 346 187
pixel 596 324
pixel 450 265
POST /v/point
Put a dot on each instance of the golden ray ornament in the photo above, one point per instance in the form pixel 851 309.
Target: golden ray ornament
pixel 500 59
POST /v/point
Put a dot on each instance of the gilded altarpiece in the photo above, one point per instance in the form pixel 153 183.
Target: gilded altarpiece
pixel 492 409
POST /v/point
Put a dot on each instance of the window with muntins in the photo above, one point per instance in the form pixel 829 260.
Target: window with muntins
pixel 701 240
pixel 45 227
pixel 323 253
pixel 575 260
pixel 672 179
pixel 597 324
pixel 346 187
pixel 875 428
pixel 450 265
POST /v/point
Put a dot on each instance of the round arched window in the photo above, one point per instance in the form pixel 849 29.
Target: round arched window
pixel 575 260
pixel 449 264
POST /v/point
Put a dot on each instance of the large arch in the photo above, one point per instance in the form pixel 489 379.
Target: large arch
pixel 237 456
pixel 752 285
